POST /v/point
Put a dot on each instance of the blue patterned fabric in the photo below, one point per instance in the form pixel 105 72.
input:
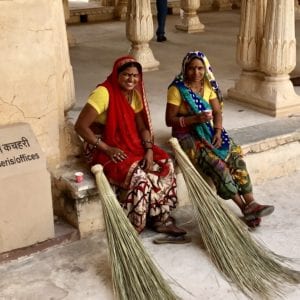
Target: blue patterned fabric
pixel 197 104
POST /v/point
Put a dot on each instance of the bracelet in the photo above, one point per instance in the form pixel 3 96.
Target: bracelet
pixel 147 142
pixel 218 128
pixel 97 142
pixel 182 122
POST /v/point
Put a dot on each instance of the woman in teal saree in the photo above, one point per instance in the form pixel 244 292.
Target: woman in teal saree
pixel 194 111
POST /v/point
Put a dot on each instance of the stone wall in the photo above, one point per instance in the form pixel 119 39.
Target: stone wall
pixel 36 84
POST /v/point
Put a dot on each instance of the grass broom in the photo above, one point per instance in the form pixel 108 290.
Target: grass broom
pixel 134 275
pixel 252 267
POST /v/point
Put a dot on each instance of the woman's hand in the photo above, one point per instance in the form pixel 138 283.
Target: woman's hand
pixel 204 117
pixel 147 162
pixel 115 154
pixel 217 139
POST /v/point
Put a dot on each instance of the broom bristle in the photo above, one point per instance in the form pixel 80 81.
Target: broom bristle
pixel 134 275
pixel 244 261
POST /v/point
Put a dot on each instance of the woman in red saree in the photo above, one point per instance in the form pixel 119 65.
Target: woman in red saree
pixel 116 128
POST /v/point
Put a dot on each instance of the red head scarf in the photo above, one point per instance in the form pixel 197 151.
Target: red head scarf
pixel 120 128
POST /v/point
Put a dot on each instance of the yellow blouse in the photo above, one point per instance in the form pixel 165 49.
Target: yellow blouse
pixel 99 100
pixel 174 97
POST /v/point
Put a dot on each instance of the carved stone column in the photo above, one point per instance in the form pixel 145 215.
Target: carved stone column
pixel 222 4
pixel 139 30
pixel 267 55
pixel 248 48
pixel 121 9
pixel 190 21
pixel 278 57
pixel 251 34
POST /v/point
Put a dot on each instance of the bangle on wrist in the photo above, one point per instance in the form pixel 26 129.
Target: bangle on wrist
pixel 182 122
pixel 97 142
pixel 220 128
pixel 145 142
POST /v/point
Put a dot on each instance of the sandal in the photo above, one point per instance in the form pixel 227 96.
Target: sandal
pixel 168 227
pixel 255 210
pixel 181 239
pixel 253 223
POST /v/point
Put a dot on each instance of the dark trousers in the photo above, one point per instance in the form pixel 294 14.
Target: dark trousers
pixel 162 11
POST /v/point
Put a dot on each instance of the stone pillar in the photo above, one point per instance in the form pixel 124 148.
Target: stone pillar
pixel 251 34
pixel 190 21
pixel 278 58
pixel 248 47
pixel 71 39
pixel 267 59
pixel 37 85
pixel 222 4
pixel 121 9
pixel 139 30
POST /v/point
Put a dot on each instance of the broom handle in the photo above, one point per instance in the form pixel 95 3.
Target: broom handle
pixel 97 169
pixel 183 157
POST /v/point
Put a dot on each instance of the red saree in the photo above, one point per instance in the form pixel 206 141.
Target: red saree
pixel 121 131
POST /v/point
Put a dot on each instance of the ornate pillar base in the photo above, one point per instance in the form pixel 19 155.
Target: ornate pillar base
pixel 190 23
pixel 144 55
pixel 274 96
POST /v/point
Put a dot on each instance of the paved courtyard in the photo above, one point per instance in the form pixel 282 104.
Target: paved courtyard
pixel 81 270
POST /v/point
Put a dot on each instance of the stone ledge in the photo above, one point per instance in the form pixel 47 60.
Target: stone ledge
pixel 271 150
pixel 280 130
pixel 64 233
pixel 77 203
pixel 84 15
pixel 271 143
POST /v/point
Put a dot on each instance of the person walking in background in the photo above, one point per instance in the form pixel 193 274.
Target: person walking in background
pixel 162 11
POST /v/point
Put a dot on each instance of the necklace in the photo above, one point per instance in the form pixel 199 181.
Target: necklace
pixel 196 89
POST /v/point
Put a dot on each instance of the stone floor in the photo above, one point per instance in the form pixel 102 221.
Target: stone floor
pixel 80 269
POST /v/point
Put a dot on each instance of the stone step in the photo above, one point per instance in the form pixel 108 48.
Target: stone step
pixel 64 233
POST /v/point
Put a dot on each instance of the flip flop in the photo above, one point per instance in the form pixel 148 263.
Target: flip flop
pixel 168 227
pixel 170 239
pixel 253 223
pixel 255 210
